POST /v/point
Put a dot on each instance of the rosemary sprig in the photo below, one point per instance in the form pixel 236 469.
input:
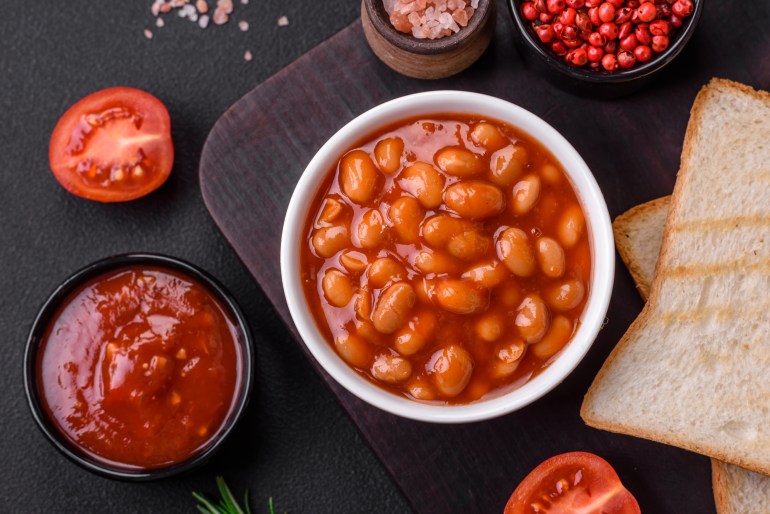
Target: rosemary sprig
pixel 227 502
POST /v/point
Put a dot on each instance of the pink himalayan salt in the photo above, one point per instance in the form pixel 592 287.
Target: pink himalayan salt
pixel 430 19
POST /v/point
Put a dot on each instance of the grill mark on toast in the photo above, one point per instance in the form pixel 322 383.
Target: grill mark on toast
pixel 755 220
pixel 720 268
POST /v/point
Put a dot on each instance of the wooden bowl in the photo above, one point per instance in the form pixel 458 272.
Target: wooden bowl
pixel 427 58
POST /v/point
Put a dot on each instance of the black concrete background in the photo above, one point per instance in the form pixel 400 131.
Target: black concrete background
pixel 295 443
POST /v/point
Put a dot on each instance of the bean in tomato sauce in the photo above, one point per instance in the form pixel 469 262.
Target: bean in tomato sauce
pixel 139 367
pixel 447 257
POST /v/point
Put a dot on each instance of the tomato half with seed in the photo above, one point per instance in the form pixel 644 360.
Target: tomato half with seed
pixel 113 145
pixel 572 483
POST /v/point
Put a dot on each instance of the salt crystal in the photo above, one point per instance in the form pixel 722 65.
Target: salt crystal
pixel 202 6
pixel 283 21
pixel 243 25
pixel 147 33
pixel 244 2
pixel 159 22
pixel 247 56
pixel 225 5
pixel 430 18
pixel 203 21
pixel 220 17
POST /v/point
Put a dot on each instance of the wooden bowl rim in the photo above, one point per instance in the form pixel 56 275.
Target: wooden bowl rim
pixel 375 9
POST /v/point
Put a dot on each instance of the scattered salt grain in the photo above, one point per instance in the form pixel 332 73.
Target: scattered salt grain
pixel 202 6
pixel 248 56
pixel 244 2
pixel 243 25
pixel 147 33
pixel 283 21
pixel 159 22
pixel 203 21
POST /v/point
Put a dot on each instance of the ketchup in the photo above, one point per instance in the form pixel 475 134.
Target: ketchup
pixel 140 366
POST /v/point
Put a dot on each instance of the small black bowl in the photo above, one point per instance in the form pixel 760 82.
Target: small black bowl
pixel 37 332
pixel 598 84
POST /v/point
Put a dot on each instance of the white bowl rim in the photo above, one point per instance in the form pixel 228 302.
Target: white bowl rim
pixel 589 194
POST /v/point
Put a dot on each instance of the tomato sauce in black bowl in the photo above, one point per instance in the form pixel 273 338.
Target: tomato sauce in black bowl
pixel 138 366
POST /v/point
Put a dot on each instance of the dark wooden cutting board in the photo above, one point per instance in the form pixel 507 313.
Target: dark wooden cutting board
pixel 258 149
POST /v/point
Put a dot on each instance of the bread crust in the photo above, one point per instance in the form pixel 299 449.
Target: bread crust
pixel 715 86
pixel 720 484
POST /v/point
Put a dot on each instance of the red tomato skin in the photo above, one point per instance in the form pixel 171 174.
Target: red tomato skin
pixel 155 115
pixel 599 491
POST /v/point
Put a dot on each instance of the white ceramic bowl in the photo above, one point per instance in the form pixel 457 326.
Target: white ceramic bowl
pixel 501 401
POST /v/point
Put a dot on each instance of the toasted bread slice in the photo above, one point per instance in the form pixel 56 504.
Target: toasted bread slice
pixel 638 235
pixel 692 369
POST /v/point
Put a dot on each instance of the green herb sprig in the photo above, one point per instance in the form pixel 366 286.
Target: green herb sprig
pixel 227 502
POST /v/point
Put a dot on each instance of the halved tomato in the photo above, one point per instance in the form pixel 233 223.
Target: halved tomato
pixel 113 145
pixel 572 483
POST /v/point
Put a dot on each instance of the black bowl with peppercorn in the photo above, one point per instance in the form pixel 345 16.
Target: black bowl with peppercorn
pixel 603 48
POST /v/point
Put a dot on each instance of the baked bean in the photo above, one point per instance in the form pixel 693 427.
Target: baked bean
pixel 421 390
pixel 391 369
pixel 435 263
pixel 475 199
pixel 332 210
pixel 451 369
pixel 354 261
pixel 507 165
pixel 417 333
pixel 366 330
pixel 329 240
pixel 458 162
pixel 525 194
pixel 508 356
pixel 406 215
pixel 550 255
pixel 353 349
pixel 384 270
pixel 551 174
pixel 470 245
pixel 337 288
pixel 439 230
pixel 532 318
pixel 514 250
pixel 565 296
pixel 371 229
pixel 388 152
pixel 359 178
pixel 571 226
pixel 490 326
pixel 364 304
pixel 554 340
pixel 462 296
pixel 488 136
pixel 489 273
pixel 425 289
pixel 393 307
pixel 424 182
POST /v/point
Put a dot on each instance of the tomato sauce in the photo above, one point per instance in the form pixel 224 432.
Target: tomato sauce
pixel 140 366
pixel 351 235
